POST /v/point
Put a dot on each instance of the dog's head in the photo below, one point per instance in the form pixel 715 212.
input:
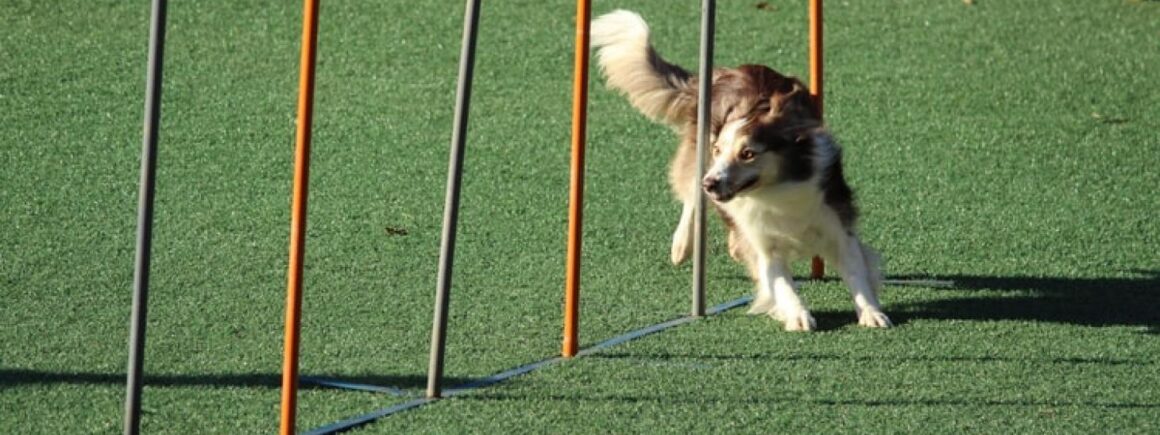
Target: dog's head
pixel 763 128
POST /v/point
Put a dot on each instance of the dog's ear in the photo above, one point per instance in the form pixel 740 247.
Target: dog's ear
pixel 728 89
pixel 793 101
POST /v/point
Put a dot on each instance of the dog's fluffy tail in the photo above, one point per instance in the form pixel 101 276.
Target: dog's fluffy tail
pixel 660 90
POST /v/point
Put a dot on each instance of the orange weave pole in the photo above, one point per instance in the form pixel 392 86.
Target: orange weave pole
pixel 298 216
pixel 817 267
pixel 576 193
pixel 816 52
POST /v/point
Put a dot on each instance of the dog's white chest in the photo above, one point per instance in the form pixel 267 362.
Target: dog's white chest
pixel 788 229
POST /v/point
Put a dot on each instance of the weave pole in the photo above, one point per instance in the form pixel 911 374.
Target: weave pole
pixel 298 215
pixel 139 314
pixel 576 192
pixel 704 110
pixel 451 204
pixel 817 266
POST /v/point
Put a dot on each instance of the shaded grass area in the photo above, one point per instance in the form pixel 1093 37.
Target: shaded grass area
pixel 1070 301
pixel 1008 147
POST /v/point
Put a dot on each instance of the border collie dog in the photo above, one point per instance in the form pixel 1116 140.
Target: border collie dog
pixel 775 177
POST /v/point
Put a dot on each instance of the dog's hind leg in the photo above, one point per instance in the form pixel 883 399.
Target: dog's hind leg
pixel 859 267
pixel 683 236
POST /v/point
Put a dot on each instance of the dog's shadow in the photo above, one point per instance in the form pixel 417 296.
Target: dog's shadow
pixel 1119 301
pixel 1106 301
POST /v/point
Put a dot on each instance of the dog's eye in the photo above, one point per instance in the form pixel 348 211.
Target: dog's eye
pixel 746 154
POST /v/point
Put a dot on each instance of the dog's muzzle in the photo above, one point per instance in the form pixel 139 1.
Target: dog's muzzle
pixel 724 188
pixel 717 188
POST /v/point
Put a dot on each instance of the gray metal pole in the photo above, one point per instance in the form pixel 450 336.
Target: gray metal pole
pixel 451 205
pixel 704 98
pixel 145 219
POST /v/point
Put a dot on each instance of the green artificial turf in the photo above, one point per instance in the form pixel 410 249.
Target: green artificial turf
pixel 1007 146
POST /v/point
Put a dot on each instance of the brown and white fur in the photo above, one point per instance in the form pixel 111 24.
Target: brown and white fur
pixel 775 177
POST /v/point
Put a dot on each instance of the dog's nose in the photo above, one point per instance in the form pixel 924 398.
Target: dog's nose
pixel 711 183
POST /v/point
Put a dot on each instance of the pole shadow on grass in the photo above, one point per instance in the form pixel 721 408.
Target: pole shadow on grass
pixel 1118 301
pixel 695 360
pixel 767 398
pixel 17 377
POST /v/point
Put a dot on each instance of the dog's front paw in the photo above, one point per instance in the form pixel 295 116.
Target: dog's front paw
pixel 799 320
pixel 762 304
pixel 874 319
pixel 680 250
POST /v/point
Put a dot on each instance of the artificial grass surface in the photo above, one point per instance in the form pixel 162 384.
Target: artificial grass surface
pixel 1009 147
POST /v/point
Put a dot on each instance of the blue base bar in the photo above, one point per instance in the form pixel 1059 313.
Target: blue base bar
pixel 360 420
pixel 353 422
pixel 338 383
pixel 502 376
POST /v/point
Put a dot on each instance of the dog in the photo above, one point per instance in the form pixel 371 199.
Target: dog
pixel 776 173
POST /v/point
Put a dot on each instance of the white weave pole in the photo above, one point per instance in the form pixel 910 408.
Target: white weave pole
pixel 704 97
